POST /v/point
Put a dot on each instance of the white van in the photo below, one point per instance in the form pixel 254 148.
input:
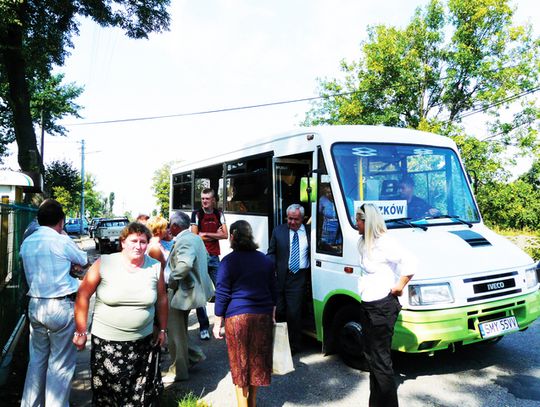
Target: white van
pixel 472 284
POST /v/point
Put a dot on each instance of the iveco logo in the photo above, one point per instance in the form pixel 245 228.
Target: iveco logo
pixel 495 286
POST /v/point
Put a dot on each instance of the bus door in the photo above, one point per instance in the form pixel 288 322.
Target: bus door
pixel 290 180
pixel 293 184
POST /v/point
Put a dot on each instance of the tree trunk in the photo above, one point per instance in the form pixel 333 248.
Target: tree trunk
pixel 19 100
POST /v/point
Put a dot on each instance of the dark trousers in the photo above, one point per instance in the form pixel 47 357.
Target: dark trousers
pixel 289 306
pixel 378 319
pixel 202 316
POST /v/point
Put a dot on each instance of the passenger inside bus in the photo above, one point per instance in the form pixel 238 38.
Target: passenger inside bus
pixel 330 233
pixel 416 206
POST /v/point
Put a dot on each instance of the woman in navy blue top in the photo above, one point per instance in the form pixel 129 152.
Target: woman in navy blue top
pixel 246 299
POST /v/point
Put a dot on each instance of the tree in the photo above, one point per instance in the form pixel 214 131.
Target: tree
pixel 161 185
pixel 35 35
pixel 450 62
pixel 93 199
pixel 111 202
pixel 63 183
pixel 61 174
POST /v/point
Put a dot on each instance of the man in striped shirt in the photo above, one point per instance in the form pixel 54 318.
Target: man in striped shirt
pixel 48 255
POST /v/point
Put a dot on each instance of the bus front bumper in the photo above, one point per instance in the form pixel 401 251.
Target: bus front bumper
pixel 427 331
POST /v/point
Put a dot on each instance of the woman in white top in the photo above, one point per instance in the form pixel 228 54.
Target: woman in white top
pixel 386 269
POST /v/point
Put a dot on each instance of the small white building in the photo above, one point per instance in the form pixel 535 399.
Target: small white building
pixel 12 185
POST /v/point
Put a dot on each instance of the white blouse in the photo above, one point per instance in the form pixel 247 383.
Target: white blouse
pixel 382 269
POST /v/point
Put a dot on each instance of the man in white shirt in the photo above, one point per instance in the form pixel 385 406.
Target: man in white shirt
pixel 48 255
pixel 289 248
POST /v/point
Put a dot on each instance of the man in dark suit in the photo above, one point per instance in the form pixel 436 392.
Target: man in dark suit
pixel 289 248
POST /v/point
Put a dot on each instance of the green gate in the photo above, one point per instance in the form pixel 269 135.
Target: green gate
pixel 14 218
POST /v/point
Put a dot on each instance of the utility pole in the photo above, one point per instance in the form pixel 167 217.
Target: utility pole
pixel 42 137
pixel 82 188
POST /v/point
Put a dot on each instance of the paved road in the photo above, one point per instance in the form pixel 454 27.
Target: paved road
pixel 504 374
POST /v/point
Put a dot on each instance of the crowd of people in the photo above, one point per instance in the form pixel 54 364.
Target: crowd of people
pixel 166 268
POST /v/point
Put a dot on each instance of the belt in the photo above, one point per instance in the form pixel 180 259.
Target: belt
pixel 71 297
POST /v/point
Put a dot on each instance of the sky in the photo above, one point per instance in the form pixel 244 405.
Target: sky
pixel 217 54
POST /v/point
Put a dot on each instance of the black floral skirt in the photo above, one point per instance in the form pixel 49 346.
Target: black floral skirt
pixel 125 373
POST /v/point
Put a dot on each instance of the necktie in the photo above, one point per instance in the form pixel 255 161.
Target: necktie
pixel 294 261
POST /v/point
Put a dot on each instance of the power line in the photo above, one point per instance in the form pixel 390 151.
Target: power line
pixel 203 112
pixel 307 99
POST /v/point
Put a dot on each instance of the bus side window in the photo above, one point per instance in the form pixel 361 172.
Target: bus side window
pixel 329 237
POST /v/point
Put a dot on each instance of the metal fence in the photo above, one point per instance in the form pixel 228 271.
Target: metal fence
pixel 14 218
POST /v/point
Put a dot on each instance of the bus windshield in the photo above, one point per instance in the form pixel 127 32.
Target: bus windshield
pixel 407 182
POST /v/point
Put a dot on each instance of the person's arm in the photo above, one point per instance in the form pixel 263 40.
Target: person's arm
pixel 218 321
pixel 406 264
pixel 182 259
pixel 271 252
pixel 162 308
pixel 86 290
pixel 220 234
pixel 223 297
pixel 194 223
pixel 397 290
pixel 155 252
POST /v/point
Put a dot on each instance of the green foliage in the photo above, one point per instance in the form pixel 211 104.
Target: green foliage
pixel 452 60
pixel 111 203
pixel 64 198
pixel 93 199
pixel 161 185
pixel 510 205
pixel 63 183
pixel 61 174
pixel 35 36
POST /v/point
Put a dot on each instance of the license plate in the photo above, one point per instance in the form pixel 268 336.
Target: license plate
pixel 498 327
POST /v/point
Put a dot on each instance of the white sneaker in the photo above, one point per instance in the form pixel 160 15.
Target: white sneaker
pixel 204 335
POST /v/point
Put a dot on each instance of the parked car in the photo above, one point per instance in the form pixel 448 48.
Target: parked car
pixel 93 226
pixel 107 234
pixel 73 226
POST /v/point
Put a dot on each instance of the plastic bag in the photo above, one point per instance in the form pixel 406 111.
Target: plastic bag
pixel 282 362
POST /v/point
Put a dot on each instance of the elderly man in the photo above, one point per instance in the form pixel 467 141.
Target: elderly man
pixel 189 287
pixel 48 255
pixel 289 248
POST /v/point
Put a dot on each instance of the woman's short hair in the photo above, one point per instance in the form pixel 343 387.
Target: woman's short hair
pixel 137 228
pixel 157 225
pixel 242 234
pixel 50 212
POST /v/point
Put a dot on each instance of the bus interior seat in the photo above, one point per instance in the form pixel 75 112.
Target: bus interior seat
pixel 389 189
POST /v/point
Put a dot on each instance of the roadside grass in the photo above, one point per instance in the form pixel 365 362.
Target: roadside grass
pixel 182 398
pixel 527 240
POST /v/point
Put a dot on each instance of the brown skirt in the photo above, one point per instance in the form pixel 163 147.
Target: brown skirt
pixel 249 342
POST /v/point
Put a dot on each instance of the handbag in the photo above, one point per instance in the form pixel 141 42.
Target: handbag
pixel 282 362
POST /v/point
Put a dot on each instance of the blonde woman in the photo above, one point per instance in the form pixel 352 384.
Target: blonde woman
pixel 386 270
pixel 158 227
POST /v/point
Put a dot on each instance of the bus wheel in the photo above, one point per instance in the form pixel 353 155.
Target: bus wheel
pixel 347 332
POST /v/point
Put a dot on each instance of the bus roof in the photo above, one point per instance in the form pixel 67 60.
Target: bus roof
pixel 305 139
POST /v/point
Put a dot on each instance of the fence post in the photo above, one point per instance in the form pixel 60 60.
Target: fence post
pixel 4 225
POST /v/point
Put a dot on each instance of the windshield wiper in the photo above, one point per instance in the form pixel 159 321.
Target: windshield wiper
pixel 454 217
pixel 407 222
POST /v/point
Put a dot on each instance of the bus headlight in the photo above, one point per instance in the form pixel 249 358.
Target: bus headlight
pixel 429 294
pixel 531 277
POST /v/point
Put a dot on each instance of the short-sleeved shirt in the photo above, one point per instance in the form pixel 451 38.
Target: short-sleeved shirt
pixel 383 267
pixel 125 299
pixel 47 257
pixel 209 223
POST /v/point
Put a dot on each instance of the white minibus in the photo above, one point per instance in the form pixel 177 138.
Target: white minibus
pixel 472 285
